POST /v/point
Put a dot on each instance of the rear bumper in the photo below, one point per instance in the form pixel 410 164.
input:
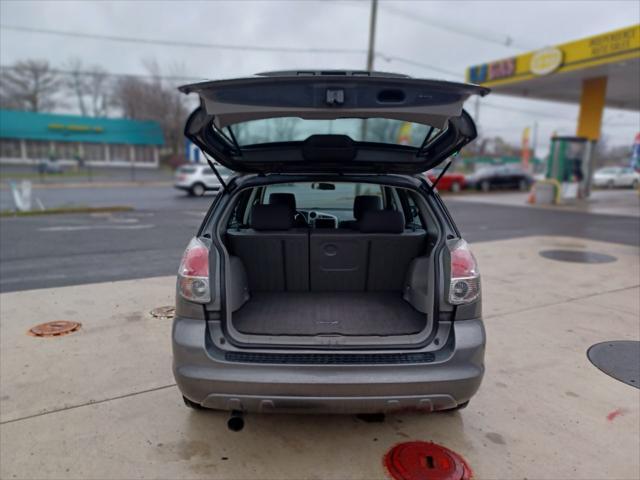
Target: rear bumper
pixel 206 378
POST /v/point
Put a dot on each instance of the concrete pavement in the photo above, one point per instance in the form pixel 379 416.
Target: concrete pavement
pixel 100 403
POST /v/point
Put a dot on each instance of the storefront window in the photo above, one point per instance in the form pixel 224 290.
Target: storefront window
pixel 94 151
pixel 38 150
pixel 144 154
pixel 10 148
pixel 66 150
pixel 119 153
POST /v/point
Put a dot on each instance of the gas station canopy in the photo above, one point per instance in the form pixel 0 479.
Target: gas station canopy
pixel 556 73
pixel 598 71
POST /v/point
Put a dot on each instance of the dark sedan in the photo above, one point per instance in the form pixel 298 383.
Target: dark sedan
pixel 511 177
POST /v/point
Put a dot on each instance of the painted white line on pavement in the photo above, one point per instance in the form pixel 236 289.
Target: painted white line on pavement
pixel 75 228
pixel 53 276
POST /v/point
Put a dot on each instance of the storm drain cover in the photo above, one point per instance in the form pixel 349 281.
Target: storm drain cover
pixel 577 256
pixel 425 461
pixel 167 312
pixel 54 329
pixel 619 359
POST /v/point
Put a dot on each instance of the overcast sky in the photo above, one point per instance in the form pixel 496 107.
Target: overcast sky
pixel 448 36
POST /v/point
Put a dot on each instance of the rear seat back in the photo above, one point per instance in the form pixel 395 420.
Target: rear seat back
pixel 275 255
pixel 375 259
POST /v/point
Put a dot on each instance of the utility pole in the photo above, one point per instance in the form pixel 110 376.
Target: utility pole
pixel 371 54
pixel 372 35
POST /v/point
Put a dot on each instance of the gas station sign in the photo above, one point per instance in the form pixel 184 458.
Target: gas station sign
pixel 546 61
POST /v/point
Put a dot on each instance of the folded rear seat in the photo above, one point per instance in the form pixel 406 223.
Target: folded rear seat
pixel 275 255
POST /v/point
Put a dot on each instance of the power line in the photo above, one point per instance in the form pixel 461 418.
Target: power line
pixel 507 41
pixel 170 43
pixel 407 61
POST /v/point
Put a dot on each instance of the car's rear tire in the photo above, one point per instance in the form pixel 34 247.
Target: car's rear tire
pixel 485 186
pixel 455 187
pixel 192 405
pixel 197 190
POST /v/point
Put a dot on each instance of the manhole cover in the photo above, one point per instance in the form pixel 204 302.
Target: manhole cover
pixel 54 329
pixel 167 312
pixel 425 461
pixel 577 256
pixel 619 359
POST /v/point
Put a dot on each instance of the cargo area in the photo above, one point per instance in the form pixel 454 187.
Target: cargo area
pixel 367 277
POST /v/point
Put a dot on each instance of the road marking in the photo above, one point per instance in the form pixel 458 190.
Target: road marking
pixel 53 276
pixel 76 228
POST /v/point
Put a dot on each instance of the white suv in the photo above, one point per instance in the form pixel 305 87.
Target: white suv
pixel 197 179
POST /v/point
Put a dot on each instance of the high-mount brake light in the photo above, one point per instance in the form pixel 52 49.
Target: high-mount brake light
pixel 193 274
pixel 465 276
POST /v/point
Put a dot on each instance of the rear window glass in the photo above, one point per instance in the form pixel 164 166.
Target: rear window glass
pixel 318 195
pixel 293 129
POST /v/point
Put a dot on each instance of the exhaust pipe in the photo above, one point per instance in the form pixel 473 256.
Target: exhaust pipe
pixel 236 421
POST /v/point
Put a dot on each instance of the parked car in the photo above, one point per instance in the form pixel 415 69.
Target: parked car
pixel 197 179
pixel 500 177
pixel 611 177
pixel 327 276
pixel 49 166
pixel 450 181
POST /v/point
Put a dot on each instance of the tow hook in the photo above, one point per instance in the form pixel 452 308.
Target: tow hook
pixel 236 421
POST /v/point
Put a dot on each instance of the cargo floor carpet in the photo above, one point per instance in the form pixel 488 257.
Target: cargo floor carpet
pixel 313 313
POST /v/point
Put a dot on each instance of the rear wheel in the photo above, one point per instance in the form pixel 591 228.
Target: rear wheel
pixel 455 187
pixel 610 184
pixel 485 186
pixel 634 184
pixel 198 190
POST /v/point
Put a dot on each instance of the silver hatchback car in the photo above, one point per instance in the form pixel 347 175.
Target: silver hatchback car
pixel 327 275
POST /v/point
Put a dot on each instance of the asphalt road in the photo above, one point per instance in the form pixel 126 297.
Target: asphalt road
pixel 57 250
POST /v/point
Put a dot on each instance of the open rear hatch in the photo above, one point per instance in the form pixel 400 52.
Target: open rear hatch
pixel 331 121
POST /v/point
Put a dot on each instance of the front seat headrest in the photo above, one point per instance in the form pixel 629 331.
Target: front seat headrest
pixel 363 203
pixel 382 221
pixel 288 199
pixel 271 217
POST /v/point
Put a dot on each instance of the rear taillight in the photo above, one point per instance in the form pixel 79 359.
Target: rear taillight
pixel 465 276
pixel 193 274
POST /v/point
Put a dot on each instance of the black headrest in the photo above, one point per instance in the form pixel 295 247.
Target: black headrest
pixel 283 199
pixel 271 217
pixel 381 221
pixel 363 203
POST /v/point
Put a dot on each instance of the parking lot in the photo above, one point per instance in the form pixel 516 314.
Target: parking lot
pixel 102 402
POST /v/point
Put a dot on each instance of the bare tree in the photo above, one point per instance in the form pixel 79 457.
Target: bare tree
pixel 89 86
pixel 153 99
pixel 30 85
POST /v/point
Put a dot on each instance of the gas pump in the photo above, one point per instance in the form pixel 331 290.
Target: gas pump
pixel 570 165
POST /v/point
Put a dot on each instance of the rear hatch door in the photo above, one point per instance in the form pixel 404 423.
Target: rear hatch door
pixel 331 121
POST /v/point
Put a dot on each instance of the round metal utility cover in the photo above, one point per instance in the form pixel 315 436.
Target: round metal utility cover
pixel 425 461
pixel 619 359
pixel 54 329
pixel 577 256
pixel 167 312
